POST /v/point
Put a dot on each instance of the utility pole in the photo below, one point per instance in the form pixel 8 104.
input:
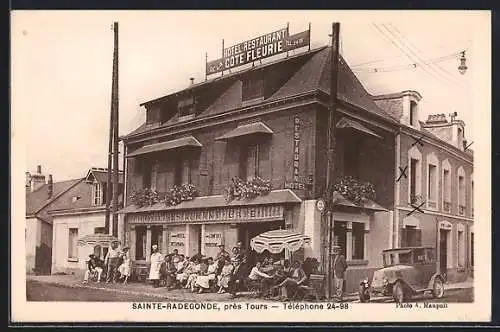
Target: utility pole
pixel 115 100
pixel 330 169
pixel 109 192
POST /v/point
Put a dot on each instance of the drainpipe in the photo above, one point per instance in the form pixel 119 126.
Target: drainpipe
pixel 395 217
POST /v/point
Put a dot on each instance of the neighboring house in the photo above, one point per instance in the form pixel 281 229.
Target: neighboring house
pixel 269 121
pixel 78 212
pixel 438 179
pixel 40 195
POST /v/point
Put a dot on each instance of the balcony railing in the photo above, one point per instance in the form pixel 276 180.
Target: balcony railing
pixel 446 206
pixel 432 205
pixel 461 209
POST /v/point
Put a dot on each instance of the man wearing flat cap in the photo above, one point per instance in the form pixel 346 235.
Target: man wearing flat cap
pixel 339 268
pixel 112 261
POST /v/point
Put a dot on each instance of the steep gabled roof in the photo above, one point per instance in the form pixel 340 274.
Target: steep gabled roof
pixel 39 199
pixel 313 75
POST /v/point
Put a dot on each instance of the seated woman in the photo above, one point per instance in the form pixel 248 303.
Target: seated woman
pixel 203 280
pixel 225 276
pixel 124 267
pixel 182 277
pixel 298 277
pixel 190 284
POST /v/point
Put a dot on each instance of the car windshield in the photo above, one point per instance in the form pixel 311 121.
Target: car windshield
pixel 409 256
pixel 397 257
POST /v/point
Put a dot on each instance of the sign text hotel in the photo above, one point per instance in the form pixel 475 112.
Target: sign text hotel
pixel 259 48
pixel 213 215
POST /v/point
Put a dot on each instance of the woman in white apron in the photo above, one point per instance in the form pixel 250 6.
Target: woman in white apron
pixel 156 261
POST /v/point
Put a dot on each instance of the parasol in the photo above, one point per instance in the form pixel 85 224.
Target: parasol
pixel 278 240
pixel 97 239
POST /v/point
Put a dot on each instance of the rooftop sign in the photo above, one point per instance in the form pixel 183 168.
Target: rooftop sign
pixel 259 48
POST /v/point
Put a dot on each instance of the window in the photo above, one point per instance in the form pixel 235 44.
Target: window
pixel 99 230
pixel 446 186
pixel 472 196
pixel 73 244
pixel 97 194
pixel 97 251
pixel 140 242
pixel 431 183
pixel 461 191
pixel 249 161
pixel 352 155
pixel 186 107
pixel 253 86
pixel 340 236
pixel 147 170
pixel 432 180
pixel 358 240
pixel 182 172
pixel 411 236
pixel 460 138
pixel 461 247
pixel 415 175
pixel 413 179
pixel 472 249
pixel 413 114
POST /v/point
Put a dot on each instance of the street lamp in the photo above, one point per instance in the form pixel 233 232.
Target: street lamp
pixel 462 68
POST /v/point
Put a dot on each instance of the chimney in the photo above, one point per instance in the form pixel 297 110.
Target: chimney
pixel 192 80
pixel 28 182
pixel 37 179
pixel 50 189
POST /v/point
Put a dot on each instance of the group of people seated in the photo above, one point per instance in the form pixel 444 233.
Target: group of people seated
pixel 229 273
pixel 116 266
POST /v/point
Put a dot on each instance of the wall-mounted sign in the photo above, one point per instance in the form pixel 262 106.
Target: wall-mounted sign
pixel 177 239
pixel 213 240
pixel 258 48
pixel 298 182
pixel 213 215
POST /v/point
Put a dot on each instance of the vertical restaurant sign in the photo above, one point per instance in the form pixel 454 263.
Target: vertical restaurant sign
pixel 296 183
pixel 259 48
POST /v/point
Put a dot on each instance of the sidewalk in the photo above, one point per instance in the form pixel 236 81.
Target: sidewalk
pixel 181 295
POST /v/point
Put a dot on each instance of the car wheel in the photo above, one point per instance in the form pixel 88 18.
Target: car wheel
pixel 363 294
pixel 438 288
pixel 398 292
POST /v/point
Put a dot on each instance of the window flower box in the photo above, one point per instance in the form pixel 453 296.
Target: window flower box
pixel 240 189
pixel 354 190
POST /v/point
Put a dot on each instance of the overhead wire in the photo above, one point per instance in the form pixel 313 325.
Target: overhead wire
pixel 411 54
pixel 423 68
pixel 432 66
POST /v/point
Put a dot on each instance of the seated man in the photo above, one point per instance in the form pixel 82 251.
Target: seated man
pixel 237 277
pixel 290 284
pixel 94 265
pixel 257 275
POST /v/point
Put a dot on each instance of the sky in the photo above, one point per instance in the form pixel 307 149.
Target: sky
pixel 62 67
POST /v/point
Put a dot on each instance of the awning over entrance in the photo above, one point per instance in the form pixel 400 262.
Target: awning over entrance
pixel 349 123
pixel 339 200
pixel 188 141
pixel 247 129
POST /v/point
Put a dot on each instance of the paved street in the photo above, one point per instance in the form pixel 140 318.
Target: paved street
pixel 38 290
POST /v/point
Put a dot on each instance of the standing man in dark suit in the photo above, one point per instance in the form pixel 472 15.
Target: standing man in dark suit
pixel 339 268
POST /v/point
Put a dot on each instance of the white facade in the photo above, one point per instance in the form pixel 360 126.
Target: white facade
pixel 85 224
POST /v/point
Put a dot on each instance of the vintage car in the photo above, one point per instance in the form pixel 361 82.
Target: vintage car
pixel 406 272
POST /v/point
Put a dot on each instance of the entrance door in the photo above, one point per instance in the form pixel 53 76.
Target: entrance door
pixel 443 250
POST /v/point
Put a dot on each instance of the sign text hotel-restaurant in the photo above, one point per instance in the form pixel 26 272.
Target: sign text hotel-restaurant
pixel 259 48
pixel 215 215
